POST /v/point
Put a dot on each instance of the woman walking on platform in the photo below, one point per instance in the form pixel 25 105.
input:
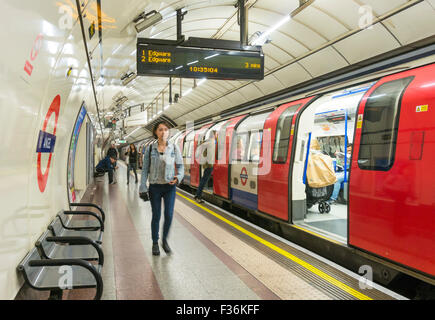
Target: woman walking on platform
pixel 132 161
pixel 163 166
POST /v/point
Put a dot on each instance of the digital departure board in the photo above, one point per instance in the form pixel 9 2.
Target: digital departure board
pixel 186 62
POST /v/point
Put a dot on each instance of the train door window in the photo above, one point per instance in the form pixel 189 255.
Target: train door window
pixel 255 146
pixel 240 147
pixel 186 149
pixel 221 137
pixel 283 132
pixel 190 151
pixel 380 126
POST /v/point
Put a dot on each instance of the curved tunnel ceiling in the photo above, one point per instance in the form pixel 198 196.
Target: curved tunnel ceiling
pixel 322 38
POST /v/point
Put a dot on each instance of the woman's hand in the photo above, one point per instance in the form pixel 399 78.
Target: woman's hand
pixel 175 181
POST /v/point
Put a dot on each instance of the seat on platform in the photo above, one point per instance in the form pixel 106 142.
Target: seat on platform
pixel 58 229
pixel 56 275
pixel 69 248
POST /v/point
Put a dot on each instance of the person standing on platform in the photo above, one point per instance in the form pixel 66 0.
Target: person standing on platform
pixel 112 151
pixel 132 161
pixel 163 167
pixel 208 160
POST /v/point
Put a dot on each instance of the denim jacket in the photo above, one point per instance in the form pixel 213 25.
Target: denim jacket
pixel 175 160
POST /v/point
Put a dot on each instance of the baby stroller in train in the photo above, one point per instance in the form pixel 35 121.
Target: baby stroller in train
pixel 319 196
pixel 320 179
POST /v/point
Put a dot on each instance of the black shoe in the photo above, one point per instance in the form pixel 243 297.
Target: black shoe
pixel 199 200
pixel 165 247
pixel 156 250
pixel 128 182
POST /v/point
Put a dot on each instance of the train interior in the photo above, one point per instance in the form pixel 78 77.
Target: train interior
pixel 326 132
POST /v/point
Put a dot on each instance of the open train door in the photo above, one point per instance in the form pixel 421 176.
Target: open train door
pixel 391 193
pixel 221 166
pixel 195 174
pixel 274 183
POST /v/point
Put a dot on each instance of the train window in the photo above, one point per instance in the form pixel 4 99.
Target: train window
pixel 240 147
pixel 190 151
pixel 255 145
pixel 221 140
pixel 380 126
pixel 283 131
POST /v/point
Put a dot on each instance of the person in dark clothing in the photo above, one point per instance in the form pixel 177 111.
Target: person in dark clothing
pixel 207 160
pixel 106 165
pixel 132 161
pixel 113 153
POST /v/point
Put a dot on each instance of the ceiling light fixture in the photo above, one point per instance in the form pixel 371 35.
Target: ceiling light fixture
pixel 149 19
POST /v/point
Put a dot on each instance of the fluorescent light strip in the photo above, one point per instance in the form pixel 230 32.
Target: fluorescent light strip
pixel 193 62
pixel 212 56
pixel 132 132
pixel 117 49
pixel 262 39
pixel 178 67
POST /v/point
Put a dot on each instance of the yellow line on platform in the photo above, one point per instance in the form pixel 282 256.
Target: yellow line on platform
pixel 284 253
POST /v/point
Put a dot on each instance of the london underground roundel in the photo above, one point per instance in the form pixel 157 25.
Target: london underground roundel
pixel 244 176
pixel 46 142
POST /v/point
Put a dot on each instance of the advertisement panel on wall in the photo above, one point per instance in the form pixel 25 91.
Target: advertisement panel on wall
pixel 72 153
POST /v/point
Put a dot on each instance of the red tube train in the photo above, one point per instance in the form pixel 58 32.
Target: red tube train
pixel 380 136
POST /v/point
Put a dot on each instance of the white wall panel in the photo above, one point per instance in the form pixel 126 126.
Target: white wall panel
pixel 347 14
pixel 292 75
pixel 407 28
pixel 277 53
pixel 236 98
pixel 367 44
pixel 291 45
pixel 382 7
pixel 269 84
pixel 317 20
pixel 250 92
pixel 323 62
pixel 305 35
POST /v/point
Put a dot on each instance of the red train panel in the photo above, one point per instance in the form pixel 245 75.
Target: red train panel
pixel 392 202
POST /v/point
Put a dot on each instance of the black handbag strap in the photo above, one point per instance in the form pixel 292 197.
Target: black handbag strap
pixel 149 157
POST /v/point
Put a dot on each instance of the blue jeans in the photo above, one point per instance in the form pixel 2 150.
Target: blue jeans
pixel 157 192
pixel 337 185
pixel 131 166
pixel 204 180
